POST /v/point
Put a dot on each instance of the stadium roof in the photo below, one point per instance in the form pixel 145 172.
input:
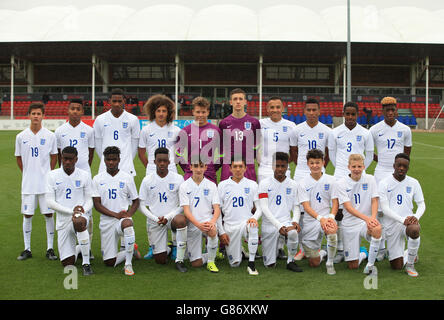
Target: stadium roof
pixel 377 21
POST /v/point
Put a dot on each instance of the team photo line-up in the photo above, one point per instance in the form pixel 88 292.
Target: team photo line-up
pixel 295 212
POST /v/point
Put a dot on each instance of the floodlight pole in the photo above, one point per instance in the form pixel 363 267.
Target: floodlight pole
pixel 261 62
pixel 348 53
pixel 427 94
pixel 93 89
pixel 176 99
pixel 12 87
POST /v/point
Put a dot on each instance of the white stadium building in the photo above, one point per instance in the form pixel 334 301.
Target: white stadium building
pixel 185 48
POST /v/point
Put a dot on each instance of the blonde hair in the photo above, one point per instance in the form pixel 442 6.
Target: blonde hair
pixel 200 102
pixel 355 157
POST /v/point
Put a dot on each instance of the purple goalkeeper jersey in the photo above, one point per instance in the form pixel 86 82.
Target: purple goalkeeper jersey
pixel 197 138
pixel 239 137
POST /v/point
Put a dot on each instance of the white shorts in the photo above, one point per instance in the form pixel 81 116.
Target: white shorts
pixel 264 172
pixel 396 237
pixel 194 242
pixel 312 235
pixel 67 240
pixel 109 236
pixel 352 240
pixel 270 237
pixel 237 234
pixel 29 204
pixel 158 236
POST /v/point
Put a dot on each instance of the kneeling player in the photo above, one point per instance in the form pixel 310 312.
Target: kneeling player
pixel 112 191
pixel 359 196
pixel 160 192
pixel 278 196
pixel 238 196
pixel 68 192
pixel 316 192
pixel 397 193
pixel 200 201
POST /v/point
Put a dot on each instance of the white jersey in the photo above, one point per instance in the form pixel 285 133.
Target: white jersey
pixel 344 142
pixel 35 151
pixel 308 138
pixel 390 141
pixel 276 137
pixel 200 197
pixel 118 132
pixel 153 136
pixel 318 193
pixel 69 190
pixel 237 200
pixel 360 194
pixel 400 195
pixel 282 197
pixel 161 195
pixel 80 137
pixel 116 193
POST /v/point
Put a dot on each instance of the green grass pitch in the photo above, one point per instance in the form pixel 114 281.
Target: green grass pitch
pixel 39 278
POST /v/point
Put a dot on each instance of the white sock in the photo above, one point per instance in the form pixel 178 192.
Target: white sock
pixel 27 228
pixel 340 237
pixel 50 232
pixel 322 254
pixel 253 239
pixel 129 238
pixel 332 243
pixel 120 258
pixel 212 248
pixel 83 238
pixel 412 247
pixel 292 245
pixel 373 250
pixel 122 243
pixel 362 256
pixel 406 256
pixel 181 239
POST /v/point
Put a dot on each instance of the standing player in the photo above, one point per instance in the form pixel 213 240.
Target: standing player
pixel 391 137
pixel 200 139
pixel 113 189
pixel 348 138
pixel 119 128
pixel 36 155
pixel 69 193
pixel 397 193
pixel 77 134
pixel 160 192
pixel 310 134
pixel 317 194
pixel 277 135
pixel 201 206
pixel 278 196
pixel 239 197
pixel 161 132
pixel 359 196
pixel 239 135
